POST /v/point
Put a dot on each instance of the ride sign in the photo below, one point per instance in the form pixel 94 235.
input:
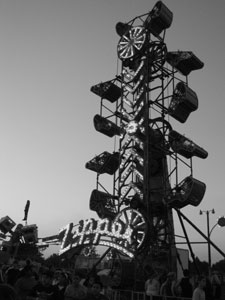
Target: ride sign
pixel 117 234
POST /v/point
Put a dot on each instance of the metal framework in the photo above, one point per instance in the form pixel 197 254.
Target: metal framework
pixel 136 107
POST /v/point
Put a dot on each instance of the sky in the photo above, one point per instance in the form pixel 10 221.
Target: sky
pixel 51 53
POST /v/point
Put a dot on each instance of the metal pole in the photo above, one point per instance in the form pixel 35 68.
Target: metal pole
pixel 209 248
pixel 187 241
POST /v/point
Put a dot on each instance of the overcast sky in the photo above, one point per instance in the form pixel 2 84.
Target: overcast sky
pixel 52 52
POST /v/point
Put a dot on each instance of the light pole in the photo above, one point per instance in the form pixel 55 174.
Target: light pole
pixel 208 234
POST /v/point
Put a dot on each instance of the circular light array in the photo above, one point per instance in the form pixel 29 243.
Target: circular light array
pixel 157 56
pixel 131 42
pixel 135 226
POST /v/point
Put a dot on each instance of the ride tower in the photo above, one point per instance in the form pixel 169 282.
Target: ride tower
pixel 151 164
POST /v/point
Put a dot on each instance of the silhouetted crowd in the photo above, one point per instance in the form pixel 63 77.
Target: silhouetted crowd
pixel 195 287
pixel 28 283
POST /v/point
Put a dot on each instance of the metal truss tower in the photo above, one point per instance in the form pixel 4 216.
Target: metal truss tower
pixel 136 109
